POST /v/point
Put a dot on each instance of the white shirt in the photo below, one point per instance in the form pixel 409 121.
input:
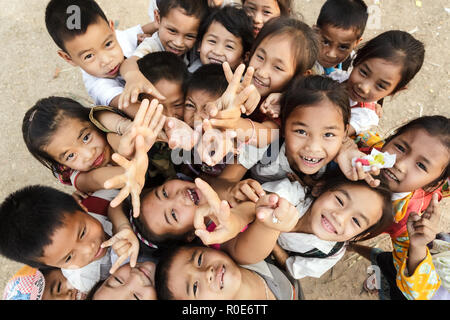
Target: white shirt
pixel 361 119
pixel 104 90
pixel 300 267
pixel 85 278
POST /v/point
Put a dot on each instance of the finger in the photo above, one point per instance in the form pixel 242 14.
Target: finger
pixel 151 89
pixel 121 160
pixel 151 111
pixel 269 200
pixel 135 95
pixel 228 72
pixel 118 263
pixel 371 181
pixel 136 203
pixel 141 112
pixel 109 242
pixel 245 94
pixel 238 195
pixel 199 218
pixel 249 192
pixel 123 194
pixel 224 212
pixel 210 195
pixel 204 236
pixel 235 83
pixel 248 77
pixel 115 182
pixel 360 171
pixel 211 109
pixel 133 253
pixel 257 187
pixel 125 98
pixel 433 209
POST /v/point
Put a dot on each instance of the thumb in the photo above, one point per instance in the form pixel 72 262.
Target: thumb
pixel 203 235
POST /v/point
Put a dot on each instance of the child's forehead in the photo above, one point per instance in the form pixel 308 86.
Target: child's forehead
pixel 177 16
pixel 339 34
pixel 94 36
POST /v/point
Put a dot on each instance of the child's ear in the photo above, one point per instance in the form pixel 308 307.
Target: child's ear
pixel 317 189
pixel 111 25
pixel 316 28
pixel 358 42
pixel 246 58
pixel 83 207
pixel 157 16
pixel 66 57
pixel 308 72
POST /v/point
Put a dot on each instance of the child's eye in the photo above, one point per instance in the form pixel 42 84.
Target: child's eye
pixel 340 201
pixel 267 13
pixel 89 56
pixel 356 221
pixel 164 193
pixel 174 216
pixel 363 72
pixel 70 156
pixel 422 166
pixel 189 105
pixel 194 288
pixel 109 44
pixel 191 37
pixel 135 296
pixel 400 148
pixel 329 135
pixel 58 288
pixel 200 258
pixel 118 280
pixel 325 42
pixel 229 47
pixel 301 131
pixel 212 41
pixel 83 233
pixel 279 68
pixel 172 30
pixel 381 87
pixel 259 57
pixel 86 138
pixel 344 48
pixel 68 259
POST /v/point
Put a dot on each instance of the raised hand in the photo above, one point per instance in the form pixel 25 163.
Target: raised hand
pixel 271 106
pixel 180 134
pixel 125 244
pixel 423 229
pixel 227 227
pixel 133 180
pixel 215 144
pixel 147 123
pixel 246 190
pixel 276 213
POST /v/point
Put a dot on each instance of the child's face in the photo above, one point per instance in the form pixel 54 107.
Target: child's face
pixel 129 283
pixel 58 288
pixel 170 208
pixel 79 146
pixel 261 11
pixel 336 44
pixel 97 51
pixel 76 243
pixel 220 45
pixel 202 273
pixel 273 61
pixel 420 159
pixel 342 214
pixel 194 109
pixel 215 3
pixel 178 31
pixel 174 102
pixel 313 136
pixel 373 80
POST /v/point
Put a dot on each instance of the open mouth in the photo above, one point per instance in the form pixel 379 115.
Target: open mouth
pixel 80 295
pixel 259 83
pixel 220 276
pixel 327 225
pixel 357 97
pixel 193 195
pixel 215 60
pixel 99 253
pixel 114 71
pixel 312 162
pixel 178 52
pixel 388 174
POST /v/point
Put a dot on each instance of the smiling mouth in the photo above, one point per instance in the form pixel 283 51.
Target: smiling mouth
pixel 327 225
pixel 388 174
pixel 311 161
pixel 220 276
pixel 259 83
pixel 178 52
pixel 215 60
pixel 99 160
pixel 80 295
pixel 358 97
pixel 114 71
pixel 193 195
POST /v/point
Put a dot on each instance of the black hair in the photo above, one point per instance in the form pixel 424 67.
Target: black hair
pixel 197 8
pixel 161 241
pixel 284 5
pixel 162 270
pixel 437 126
pixel 29 217
pixel 59 12
pixel 164 65
pixel 333 180
pixel 344 14
pixel 93 291
pixel 307 91
pixel 210 78
pixel 397 47
pixel 235 20
pixel 42 121
pixel 305 46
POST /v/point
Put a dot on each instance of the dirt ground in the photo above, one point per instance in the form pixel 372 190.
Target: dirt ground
pixel 28 74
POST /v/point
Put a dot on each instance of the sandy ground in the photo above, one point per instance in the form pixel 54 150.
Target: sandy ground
pixel 30 60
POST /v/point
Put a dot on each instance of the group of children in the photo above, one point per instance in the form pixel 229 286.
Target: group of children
pixel 219 159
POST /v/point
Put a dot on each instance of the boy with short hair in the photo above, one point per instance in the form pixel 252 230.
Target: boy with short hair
pixel 178 21
pixel 43 227
pixel 340 25
pixel 92 44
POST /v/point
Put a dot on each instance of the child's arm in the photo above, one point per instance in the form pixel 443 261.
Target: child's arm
pixel 124 242
pixel 274 215
pixel 416 274
pixel 95 179
pixel 136 83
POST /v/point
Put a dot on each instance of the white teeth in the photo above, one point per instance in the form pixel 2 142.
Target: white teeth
pixel 391 175
pixel 191 195
pixel 311 160
pixel 259 82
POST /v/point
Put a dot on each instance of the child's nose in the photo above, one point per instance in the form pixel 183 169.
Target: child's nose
pixel 364 87
pixel 258 18
pixel 178 41
pixel 331 53
pixel 210 275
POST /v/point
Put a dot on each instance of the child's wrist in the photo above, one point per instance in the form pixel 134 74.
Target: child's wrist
pixel 122 126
